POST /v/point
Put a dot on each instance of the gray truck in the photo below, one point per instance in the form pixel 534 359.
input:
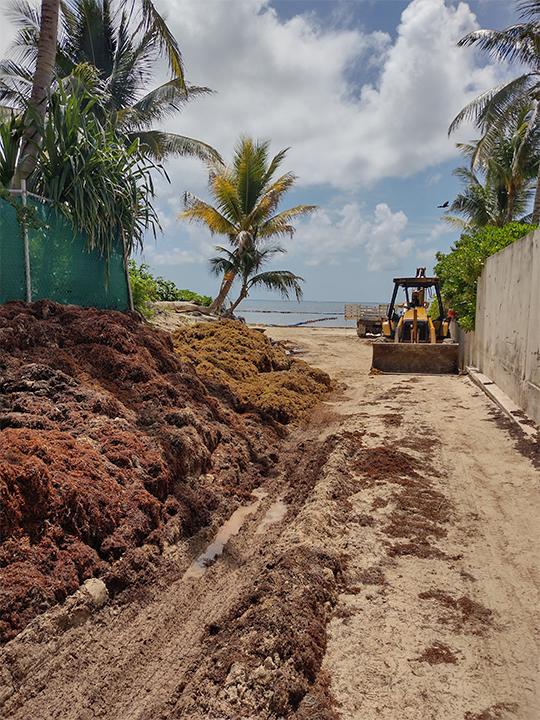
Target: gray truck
pixel 369 318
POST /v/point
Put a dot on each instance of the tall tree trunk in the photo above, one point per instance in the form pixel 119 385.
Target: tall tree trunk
pixel 43 77
pixel 224 290
pixel 536 208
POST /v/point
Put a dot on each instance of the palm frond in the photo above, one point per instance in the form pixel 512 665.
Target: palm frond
pixel 166 40
pixel 492 106
pixel 160 145
pixel 197 210
pixel 165 100
pixel 250 166
pixel 221 265
pixel 529 8
pixel 274 165
pixel 282 281
pixel 517 43
pixel 281 224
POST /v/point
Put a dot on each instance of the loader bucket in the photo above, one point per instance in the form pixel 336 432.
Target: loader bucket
pixel 436 359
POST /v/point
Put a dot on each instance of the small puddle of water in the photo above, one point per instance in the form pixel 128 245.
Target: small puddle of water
pixel 275 513
pixel 229 528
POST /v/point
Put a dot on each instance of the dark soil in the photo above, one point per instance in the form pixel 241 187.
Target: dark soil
pixel 108 440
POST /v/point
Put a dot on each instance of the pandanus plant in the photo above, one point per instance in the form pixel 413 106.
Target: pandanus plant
pixel 122 41
pixel 247 196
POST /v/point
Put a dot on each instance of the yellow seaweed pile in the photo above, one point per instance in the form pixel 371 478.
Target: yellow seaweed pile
pixel 259 373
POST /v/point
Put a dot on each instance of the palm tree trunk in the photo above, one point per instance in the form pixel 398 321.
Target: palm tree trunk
pixel 536 208
pixel 224 290
pixel 242 296
pixel 43 77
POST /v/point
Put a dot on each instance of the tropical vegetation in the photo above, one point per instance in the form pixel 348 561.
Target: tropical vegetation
pixel 89 171
pixel 502 175
pixel 122 41
pixel 147 288
pixel 246 196
pixel 493 111
pixel 245 264
pixel 499 178
pixel 79 115
pixel 460 269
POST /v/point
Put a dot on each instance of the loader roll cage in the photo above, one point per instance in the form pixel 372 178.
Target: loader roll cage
pixel 417 283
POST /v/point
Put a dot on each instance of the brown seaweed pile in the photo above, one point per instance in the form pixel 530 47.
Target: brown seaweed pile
pixel 108 440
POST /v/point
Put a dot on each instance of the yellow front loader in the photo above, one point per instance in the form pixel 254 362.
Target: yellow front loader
pixel 412 340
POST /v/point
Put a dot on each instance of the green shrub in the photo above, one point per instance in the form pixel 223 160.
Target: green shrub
pixel 143 288
pixel 460 269
pixel 146 289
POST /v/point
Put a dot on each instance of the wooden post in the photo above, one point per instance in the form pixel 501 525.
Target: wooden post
pixel 27 269
pixel 126 270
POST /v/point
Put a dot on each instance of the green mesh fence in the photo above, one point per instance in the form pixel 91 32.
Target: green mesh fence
pixel 61 267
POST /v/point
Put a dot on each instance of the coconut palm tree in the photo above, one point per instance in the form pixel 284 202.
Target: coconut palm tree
pixel 491 111
pixel 247 196
pixel 500 177
pixel 45 51
pixel 122 40
pixel 245 263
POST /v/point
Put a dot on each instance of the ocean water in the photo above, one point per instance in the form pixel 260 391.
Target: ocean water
pixel 287 312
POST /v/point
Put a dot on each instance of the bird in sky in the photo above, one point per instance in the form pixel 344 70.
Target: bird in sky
pixel 444 205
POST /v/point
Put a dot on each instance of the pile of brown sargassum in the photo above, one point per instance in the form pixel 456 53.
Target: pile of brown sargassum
pixel 109 435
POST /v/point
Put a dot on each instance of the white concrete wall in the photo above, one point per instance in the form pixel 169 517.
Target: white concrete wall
pixel 506 343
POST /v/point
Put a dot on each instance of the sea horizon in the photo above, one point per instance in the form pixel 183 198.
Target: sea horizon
pixel 318 313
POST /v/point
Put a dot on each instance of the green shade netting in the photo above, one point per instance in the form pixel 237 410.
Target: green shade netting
pixel 62 268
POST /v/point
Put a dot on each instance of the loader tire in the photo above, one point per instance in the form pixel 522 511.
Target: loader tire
pixel 361 329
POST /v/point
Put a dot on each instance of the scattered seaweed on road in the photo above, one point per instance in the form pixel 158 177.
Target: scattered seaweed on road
pixel 527 446
pixel 384 463
pixel 264 657
pixel 465 614
pixel 494 712
pixel 438 653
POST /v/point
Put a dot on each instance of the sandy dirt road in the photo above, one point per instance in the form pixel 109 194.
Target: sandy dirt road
pixel 401 584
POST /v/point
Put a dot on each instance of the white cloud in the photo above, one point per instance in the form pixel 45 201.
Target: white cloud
pixel 349 234
pixel 303 85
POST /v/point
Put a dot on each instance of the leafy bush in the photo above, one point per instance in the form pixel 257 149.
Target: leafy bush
pixel 147 289
pixel 167 290
pixel 460 269
pixel 143 288
pixel 190 296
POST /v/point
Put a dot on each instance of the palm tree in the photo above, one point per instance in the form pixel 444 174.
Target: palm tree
pixel 491 110
pixel 246 199
pixel 46 33
pixel 245 264
pixel 121 40
pixel 508 165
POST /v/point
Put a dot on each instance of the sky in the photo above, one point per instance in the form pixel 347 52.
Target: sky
pixel 362 92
